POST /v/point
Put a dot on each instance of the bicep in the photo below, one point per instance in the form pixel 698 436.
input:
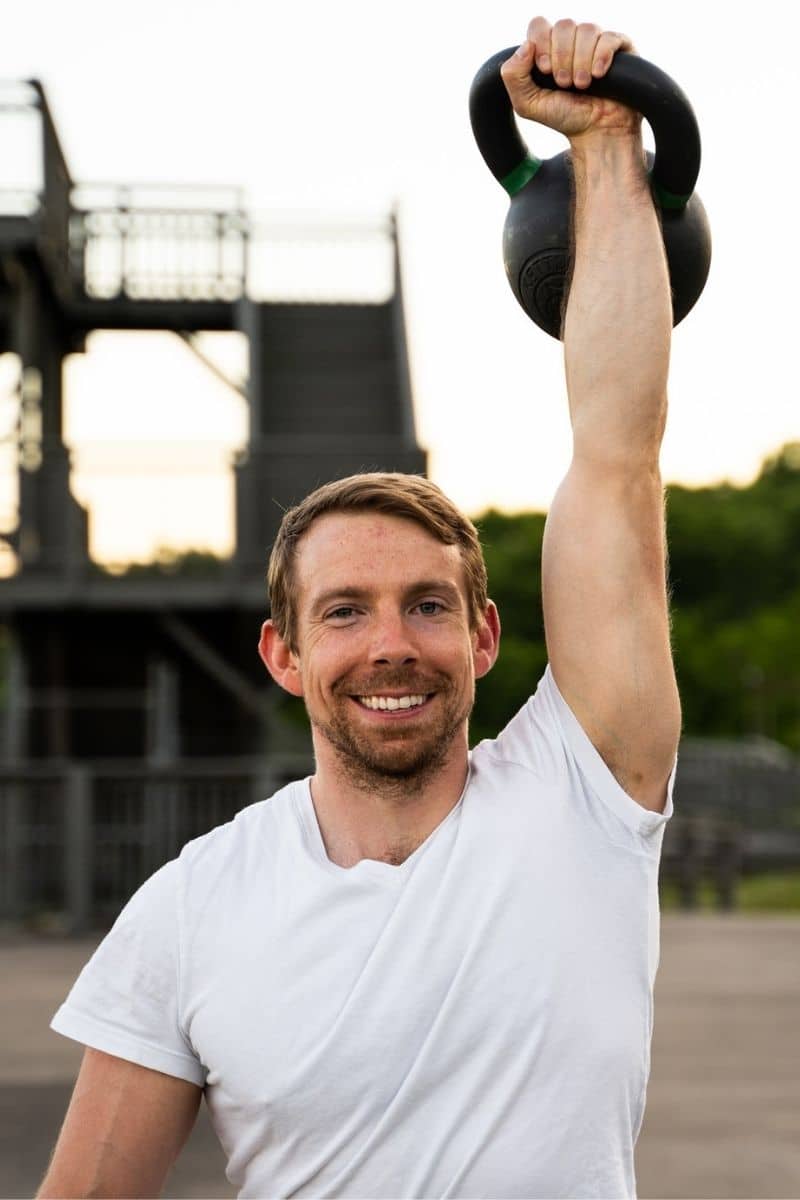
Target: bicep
pixel 604 592
pixel 124 1129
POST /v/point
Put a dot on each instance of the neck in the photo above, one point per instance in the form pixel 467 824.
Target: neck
pixel 370 815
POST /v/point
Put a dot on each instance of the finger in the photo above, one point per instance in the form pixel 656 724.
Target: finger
pixel 606 47
pixel 539 30
pixel 516 75
pixel 562 49
pixel 586 38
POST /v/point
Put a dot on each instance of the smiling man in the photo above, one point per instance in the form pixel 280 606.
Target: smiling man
pixel 381 581
pixel 426 971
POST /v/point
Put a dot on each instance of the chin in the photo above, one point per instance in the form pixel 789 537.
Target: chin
pixel 369 762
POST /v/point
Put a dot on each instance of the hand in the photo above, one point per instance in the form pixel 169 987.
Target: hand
pixel 574 55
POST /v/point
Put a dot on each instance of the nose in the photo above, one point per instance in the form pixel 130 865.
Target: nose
pixel 392 643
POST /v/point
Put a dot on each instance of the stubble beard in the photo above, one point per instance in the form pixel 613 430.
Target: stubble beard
pixel 386 762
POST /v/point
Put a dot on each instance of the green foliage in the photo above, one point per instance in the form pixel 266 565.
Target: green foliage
pixel 734 550
pixel 777 891
pixel 735 575
pixel 512 547
pixel 735 580
pixel 770 891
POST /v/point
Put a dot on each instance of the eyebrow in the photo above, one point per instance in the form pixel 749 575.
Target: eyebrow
pixel 343 593
pixel 418 588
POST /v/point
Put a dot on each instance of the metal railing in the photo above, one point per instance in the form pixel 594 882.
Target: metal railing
pixel 737 813
pixel 76 840
pixel 158 243
pixel 153 243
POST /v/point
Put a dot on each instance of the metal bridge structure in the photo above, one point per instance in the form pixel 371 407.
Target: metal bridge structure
pixel 149 667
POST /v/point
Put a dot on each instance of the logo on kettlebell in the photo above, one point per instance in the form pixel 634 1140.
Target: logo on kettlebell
pixel 541 287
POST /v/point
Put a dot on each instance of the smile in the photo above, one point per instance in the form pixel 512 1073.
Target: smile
pixel 392 703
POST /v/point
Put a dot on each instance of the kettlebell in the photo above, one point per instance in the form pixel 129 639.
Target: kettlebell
pixel 536 237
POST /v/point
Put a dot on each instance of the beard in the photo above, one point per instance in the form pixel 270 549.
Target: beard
pixel 397 759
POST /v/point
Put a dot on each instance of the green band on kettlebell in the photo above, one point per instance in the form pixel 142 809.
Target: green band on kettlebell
pixel 665 199
pixel 515 180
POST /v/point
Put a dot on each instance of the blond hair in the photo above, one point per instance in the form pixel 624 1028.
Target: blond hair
pixel 409 496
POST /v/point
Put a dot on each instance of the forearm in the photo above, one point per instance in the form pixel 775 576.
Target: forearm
pixel 619 314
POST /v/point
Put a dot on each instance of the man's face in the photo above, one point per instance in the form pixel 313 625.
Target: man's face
pixel 386 657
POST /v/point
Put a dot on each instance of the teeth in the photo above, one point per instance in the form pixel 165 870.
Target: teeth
pixel 390 703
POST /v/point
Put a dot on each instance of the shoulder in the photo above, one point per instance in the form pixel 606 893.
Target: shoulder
pixel 545 747
pixel 215 863
pixel 248 842
pixel 197 894
pixel 532 739
pixel 262 820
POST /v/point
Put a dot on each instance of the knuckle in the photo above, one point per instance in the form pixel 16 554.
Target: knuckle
pixel 515 89
pixel 539 24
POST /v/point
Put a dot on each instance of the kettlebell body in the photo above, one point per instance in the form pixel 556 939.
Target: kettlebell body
pixel 537 236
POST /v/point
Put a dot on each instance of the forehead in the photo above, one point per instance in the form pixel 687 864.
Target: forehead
pixel 370 550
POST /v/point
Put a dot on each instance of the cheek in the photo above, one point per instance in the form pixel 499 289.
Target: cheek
pixel 455 655
pixel 327 659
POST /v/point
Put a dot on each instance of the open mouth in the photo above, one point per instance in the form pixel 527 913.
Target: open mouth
pixel 412 702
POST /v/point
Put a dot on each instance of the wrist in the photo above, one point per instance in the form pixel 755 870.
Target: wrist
pixel 617 141
pixel 609 158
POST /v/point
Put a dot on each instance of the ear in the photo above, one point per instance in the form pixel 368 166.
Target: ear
pixel 282 664
pixel 486 641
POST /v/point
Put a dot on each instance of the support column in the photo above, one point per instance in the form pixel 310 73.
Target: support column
pixel 14 717
pixel 163 730
pixel 53 527
pixel 78 865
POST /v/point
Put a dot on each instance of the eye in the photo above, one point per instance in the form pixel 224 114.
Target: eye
pixel 430 608
pixel 343 613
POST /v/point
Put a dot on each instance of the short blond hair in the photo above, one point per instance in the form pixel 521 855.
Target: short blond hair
pixel 409 496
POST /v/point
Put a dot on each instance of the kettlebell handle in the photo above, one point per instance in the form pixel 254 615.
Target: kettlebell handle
pixel 630 80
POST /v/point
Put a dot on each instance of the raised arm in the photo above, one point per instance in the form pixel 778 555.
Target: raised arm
pixel 604 557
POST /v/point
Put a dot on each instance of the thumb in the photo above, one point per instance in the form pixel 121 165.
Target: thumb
pixel 516 73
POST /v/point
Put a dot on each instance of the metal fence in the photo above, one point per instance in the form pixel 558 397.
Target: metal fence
pixel 737 813
pixel 76 840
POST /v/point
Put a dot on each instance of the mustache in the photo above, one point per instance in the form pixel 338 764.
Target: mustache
pixel 392 681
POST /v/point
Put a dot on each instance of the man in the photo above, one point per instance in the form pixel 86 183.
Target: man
pixel 424 972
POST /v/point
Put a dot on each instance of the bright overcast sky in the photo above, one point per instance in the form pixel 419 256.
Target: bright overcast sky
pixel 352 106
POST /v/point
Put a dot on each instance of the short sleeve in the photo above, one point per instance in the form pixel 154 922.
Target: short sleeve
pixel 126 1000
pixel 547 736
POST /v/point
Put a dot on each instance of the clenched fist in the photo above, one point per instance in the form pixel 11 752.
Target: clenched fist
pixel 574 55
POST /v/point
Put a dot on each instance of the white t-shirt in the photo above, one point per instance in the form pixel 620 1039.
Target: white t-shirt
pixel 473 1023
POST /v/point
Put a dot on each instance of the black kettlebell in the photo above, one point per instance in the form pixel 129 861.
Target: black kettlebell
pixel 536 238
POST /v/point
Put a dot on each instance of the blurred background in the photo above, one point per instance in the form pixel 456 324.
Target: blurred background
pixel 245 250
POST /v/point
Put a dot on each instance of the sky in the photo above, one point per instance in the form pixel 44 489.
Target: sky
pixel 354 108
